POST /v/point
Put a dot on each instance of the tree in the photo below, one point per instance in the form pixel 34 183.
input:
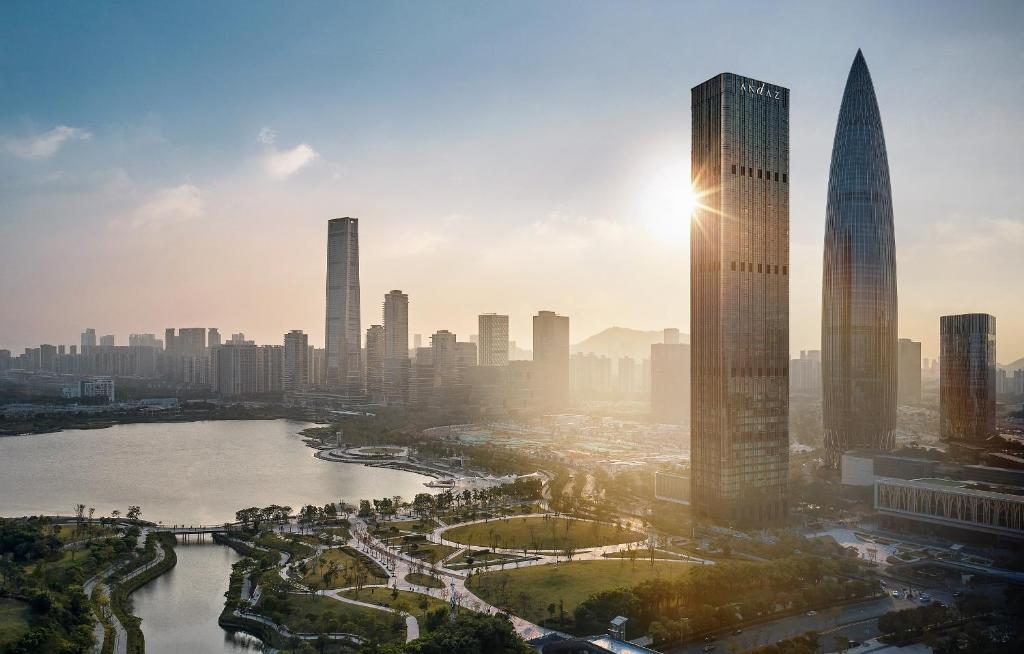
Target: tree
pixel 134 512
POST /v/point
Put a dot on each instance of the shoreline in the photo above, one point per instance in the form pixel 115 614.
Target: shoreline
pixel 115 418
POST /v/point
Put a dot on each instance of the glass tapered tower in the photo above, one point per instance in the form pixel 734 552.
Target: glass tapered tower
pixel 858 310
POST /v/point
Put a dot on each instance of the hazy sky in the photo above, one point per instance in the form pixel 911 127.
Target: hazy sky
pixel 174 164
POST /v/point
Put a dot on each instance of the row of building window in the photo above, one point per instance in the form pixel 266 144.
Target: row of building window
pixel 761 173
pixel 761 372
pixel 761 268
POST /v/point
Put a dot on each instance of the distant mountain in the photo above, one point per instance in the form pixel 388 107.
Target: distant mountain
pixel 616 342
pixel 1014 365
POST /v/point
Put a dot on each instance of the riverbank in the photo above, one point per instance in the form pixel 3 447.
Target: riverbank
pixel 158 560
pixel 91 417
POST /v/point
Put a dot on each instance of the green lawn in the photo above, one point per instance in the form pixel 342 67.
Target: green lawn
pixel 14 620
pixel 528 591
pixel 349 562
pixel 423 551
pixel 312 613
pixel 414 603
pixel 540 533
pixel 424 580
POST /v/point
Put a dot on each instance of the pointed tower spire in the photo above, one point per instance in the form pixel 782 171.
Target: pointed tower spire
pixel 858 322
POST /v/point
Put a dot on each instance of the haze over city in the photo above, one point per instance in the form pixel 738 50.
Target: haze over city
pixel 180 171
pixel 511 328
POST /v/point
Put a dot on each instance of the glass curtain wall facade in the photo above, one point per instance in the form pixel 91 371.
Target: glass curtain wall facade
pixel 967 386
pixel 858 309
pixel 739 301
pixel 343 333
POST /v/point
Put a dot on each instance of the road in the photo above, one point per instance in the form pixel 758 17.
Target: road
pixel 856 621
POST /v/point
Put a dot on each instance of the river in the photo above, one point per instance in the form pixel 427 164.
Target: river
pixel 183 473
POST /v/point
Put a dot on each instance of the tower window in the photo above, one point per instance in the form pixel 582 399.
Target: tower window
pixel 734 265
pixel 743 267
pixel 743 170
pixel 785 178
pixel 734 169
pixel 776 270
pixel 776 175
pixel 785 270
pixel 759 173
pixel 758 267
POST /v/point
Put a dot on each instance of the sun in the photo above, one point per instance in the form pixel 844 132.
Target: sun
pixel 667 201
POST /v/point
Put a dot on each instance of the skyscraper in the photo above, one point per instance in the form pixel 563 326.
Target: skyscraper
pixel 396 347
pixel 858 295
pixel 739 300
pixel 967 386
pixel 88 340
pixel 551 359
pixel 375 346
pixel 236 368
pixel 343 331
pixel 670 381
pixel 396 325
pixel 295 374
pixel 909 374
pixel 493 339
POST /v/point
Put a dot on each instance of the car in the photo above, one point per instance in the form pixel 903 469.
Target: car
pixel 812 613
pixel 882 582
pixel 895 593
pixel 925 598
pixel 708 648
pixel 737 632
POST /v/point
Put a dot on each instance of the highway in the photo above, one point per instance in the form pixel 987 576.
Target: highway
pixel 855 621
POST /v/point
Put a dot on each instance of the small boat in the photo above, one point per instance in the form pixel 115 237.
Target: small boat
pixel 440 483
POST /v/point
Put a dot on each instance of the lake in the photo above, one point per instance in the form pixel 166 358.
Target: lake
pixel 184 473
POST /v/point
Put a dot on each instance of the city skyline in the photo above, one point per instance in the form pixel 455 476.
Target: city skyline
pixel 83 182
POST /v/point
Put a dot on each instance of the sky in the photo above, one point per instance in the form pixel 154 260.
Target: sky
pixel 175 164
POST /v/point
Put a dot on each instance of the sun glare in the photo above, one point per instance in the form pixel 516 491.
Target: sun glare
pixel 667 201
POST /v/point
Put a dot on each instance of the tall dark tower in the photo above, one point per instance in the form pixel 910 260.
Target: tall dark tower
pixel 739 301
pixel 343 334
pixel 858 297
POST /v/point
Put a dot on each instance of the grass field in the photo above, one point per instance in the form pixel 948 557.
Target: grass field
pixel 539 533
pixel 423 551
pixel 14 616
pixel 310 613
pixel 70 533
pixel 424 580
pixel 527 592
pixel 348 562
pixel 414 603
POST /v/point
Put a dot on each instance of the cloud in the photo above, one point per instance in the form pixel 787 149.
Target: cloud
pixel 282 164
pixel 169 205
pixel 46 145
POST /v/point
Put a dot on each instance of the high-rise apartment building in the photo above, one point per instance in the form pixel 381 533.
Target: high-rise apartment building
pixel 375 348
pixel 295 374
pixel 343 331
pixel 396 325
pixel 212 337
pixel 909 371
pixel 967 381
pixel 493 339
pixel 858 311
pixel 107 340
pixel 88 340
pixel 443 357
pixel 739 300
pixel 805 373
pixel 269 368
pixel 397 366
pixel 670 382
pixel 236 368
pixel 551 359
pixel 670 336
